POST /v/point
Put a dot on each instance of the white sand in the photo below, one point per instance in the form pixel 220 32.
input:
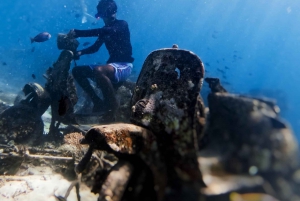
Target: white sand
pixel 40 188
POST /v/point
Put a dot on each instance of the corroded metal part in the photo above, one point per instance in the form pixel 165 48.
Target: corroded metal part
pixel 257 142
pixel 167 89
pixel 215 85
pixel 22 122
pixel 124 94
pixel 65 42
pixel 119 138
pixel 37 98
pixel 116 182
pixel 58 74
pixel 165 101
pixel 132 143
pixel 248 120
pixel 199 122
pixel 61 83
pixel 17 125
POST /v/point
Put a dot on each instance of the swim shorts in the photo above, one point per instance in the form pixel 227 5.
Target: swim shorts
pixel 122 71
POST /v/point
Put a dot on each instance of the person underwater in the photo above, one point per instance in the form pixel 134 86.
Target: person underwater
pixel 115 35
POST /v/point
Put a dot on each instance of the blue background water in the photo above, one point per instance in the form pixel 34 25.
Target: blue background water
pixel 257 41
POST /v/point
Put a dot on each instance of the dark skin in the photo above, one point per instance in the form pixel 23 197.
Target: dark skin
pixel 103 75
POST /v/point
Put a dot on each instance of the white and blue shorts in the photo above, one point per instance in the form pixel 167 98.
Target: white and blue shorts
pixel 122 71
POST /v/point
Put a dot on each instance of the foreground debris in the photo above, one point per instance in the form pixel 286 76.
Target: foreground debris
pixel 175 149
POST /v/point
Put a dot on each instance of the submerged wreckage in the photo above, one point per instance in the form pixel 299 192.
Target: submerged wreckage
pixel 173 147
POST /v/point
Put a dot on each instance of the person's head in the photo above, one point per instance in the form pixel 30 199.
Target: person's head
pixel 107 10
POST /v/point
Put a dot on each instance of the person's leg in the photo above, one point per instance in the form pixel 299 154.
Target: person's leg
pixel 81 75
pixel 103 76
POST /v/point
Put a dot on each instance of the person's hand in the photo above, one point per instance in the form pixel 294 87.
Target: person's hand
pixel 72 33
pixel 77 55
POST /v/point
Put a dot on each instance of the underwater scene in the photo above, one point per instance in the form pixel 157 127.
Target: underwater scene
pixel 148 100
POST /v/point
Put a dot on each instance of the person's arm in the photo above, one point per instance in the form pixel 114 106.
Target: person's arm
pixel 93 48
pixel 89 33
pixel 97 32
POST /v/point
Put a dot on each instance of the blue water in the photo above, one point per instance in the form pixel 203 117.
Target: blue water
pixel 258 41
